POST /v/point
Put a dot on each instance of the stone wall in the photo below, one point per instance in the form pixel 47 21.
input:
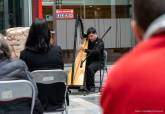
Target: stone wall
pixel 16 38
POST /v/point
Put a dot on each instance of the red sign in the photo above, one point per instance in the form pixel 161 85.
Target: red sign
pixel 64 14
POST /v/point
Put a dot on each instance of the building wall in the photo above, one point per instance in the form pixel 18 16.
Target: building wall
pixel 100 14
pixel 120 35
pixel 97 13
pixel 15 13
pixel 36 9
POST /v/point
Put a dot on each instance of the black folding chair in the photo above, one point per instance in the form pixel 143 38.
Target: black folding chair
pixel 52 89
pixel 102 70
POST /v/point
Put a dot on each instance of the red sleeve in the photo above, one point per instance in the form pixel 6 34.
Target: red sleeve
pixel 106 98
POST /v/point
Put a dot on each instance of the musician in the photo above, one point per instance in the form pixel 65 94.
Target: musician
pixel 95 57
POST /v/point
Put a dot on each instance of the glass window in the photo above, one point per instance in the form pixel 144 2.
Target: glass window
pixel 1 15
pixel 15 13
pixel 89 9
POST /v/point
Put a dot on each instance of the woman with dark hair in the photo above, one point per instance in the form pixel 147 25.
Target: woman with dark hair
pixel 39 53
pixel 15 69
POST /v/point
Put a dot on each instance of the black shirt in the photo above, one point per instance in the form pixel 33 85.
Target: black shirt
pixel 52 59
pixel 95 51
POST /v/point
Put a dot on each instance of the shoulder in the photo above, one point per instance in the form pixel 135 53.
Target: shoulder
pixel 99 41
pixel 24 53
pixel 18 63
pixel 56 48
pixel 13 62
pixel 13 66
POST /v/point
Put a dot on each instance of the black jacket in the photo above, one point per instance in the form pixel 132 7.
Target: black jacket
pixel 95 51
pixel 53 59
pixel 14 70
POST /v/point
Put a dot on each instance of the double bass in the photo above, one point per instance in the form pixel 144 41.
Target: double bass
pixel 76 73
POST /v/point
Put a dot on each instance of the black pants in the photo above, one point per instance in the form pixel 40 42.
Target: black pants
pixel 20 106
pixel 90 73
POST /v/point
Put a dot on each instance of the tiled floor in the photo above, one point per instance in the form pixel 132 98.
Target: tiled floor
pixel 88 104
pixel 80 104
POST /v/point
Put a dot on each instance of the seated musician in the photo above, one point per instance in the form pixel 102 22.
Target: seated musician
pixel 95 57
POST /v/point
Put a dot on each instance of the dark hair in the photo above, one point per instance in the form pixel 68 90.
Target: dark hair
pixel 91 30
pixel 4 48
pixel 146 11
pixel 39 36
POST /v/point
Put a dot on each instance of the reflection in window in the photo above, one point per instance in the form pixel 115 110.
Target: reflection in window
pixel 94 12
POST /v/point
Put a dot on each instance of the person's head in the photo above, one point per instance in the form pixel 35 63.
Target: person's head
pixel 4 48
pixel 91 34
pixel 145 12
pixel 39 36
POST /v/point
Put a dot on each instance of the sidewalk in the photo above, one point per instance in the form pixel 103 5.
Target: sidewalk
pixel 80 104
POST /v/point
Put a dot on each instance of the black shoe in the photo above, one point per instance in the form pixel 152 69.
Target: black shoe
pixel 92 89
pixel 83 90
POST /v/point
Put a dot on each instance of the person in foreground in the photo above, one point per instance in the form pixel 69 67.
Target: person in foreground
pixel 15 69
pixel 95 57
pixel 39 53
pixel 136 83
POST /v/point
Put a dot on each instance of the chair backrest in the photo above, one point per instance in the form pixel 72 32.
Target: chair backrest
pixel 17 89
pixel 49 76
pixel 51 87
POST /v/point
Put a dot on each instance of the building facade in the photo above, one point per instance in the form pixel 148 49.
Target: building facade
pixel 15 13
pixel 97 13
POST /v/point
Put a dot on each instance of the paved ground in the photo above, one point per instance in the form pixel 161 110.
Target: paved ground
pixel 80 104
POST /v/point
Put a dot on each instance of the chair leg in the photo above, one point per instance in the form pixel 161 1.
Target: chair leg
pixel 66 111
pixel 102 77
pixel 100 80
pixel 106 69
pixel 67 98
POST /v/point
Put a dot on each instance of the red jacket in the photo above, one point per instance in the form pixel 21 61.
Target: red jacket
pixel 136 83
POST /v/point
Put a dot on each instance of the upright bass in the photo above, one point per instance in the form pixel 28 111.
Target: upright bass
pixel 76 74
